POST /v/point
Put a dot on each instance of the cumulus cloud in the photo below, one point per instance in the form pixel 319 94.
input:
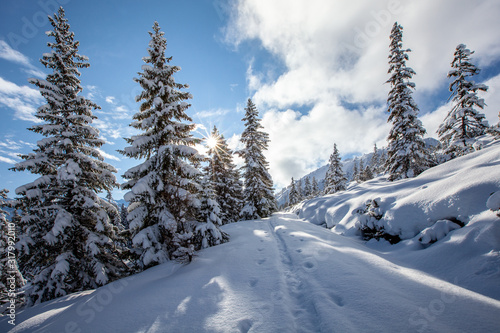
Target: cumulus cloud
pixel 332 57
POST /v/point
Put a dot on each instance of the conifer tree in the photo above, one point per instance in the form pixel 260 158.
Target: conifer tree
pixel 207 231
pixel 355 171
pixel 163 188
pixel 407 155
pixel 367 173
pixel 375 160
pixel 335 179
pixel 123 216
pixel 307 188
pixel 226 178
pixel 361 170
pixel 258 189
pixel 67 236
pixel 300 189
pixel 464 122
pixel 10 275
pixel 495 130
pixel 315 187
pixel 293 196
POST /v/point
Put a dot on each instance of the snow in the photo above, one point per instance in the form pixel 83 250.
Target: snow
pixel 279 274
pixel 493 202
pixel 458 189
pixel 286 274
pixel 437 231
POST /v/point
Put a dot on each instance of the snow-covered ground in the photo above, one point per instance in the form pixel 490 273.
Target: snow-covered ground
pixel 280 274
pixel 287 274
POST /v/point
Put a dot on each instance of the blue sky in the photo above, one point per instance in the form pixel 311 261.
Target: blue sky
pixel 316 69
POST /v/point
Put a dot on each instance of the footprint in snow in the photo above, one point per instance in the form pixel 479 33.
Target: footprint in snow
pixel 261 261
pixel 253 282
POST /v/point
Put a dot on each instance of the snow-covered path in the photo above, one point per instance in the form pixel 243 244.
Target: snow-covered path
pixel 280 274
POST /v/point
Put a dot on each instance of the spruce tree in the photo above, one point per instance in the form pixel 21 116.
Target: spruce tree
pixel 10 275
pixel 495 130
pixel 67 236
pixel 361 175
pixel 300 189
pixel 355 171
pixel 207 231
pixel 293 195
pixel 225 177
pixel 315 187
pixel 407 155
pixel 335 179
pixel 464 123
pixel 123 216
pixel 258 189
pixel 307 188
pixel 163 188
pixel 367 173
pixel 375 160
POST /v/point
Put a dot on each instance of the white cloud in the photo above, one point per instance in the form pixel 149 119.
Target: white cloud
pixel 335 52
pixel 110 99
pixel 22 99
pixel 9 54
pixel 7 160
pixel 12 148
pixel 212 113
pixel 299 144
pixel 108 156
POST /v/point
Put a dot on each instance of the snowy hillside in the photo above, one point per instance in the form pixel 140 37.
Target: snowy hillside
pixel 283 274
pixel 347 167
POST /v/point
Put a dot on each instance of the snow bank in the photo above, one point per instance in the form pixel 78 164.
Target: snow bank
pixel 457 190
pixel 280 275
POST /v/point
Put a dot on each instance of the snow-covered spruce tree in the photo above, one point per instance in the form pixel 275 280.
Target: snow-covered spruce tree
pixel 335 179
pixel 293 195
pixel 361 176
pixel 375 160
pixel 495 130
pixel 407 155
pixel 10 275
pixel 67 236
pixel 355 171
pixel 300 189
pixel 258 189
pixel 464 123
pixel 307 188
pixel 226 178
pixel 207 232
pixel 163 188
pixel 315 187
pixel 123 215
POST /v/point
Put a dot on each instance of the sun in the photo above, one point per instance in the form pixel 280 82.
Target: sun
pixel 212 142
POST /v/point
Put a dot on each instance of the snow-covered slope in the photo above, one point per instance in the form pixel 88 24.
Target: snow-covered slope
pixel 347 167
pixel 283 274
pixel 280 274
pixel 456 190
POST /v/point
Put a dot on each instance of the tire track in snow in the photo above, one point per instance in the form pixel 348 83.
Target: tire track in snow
pixel 303 309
